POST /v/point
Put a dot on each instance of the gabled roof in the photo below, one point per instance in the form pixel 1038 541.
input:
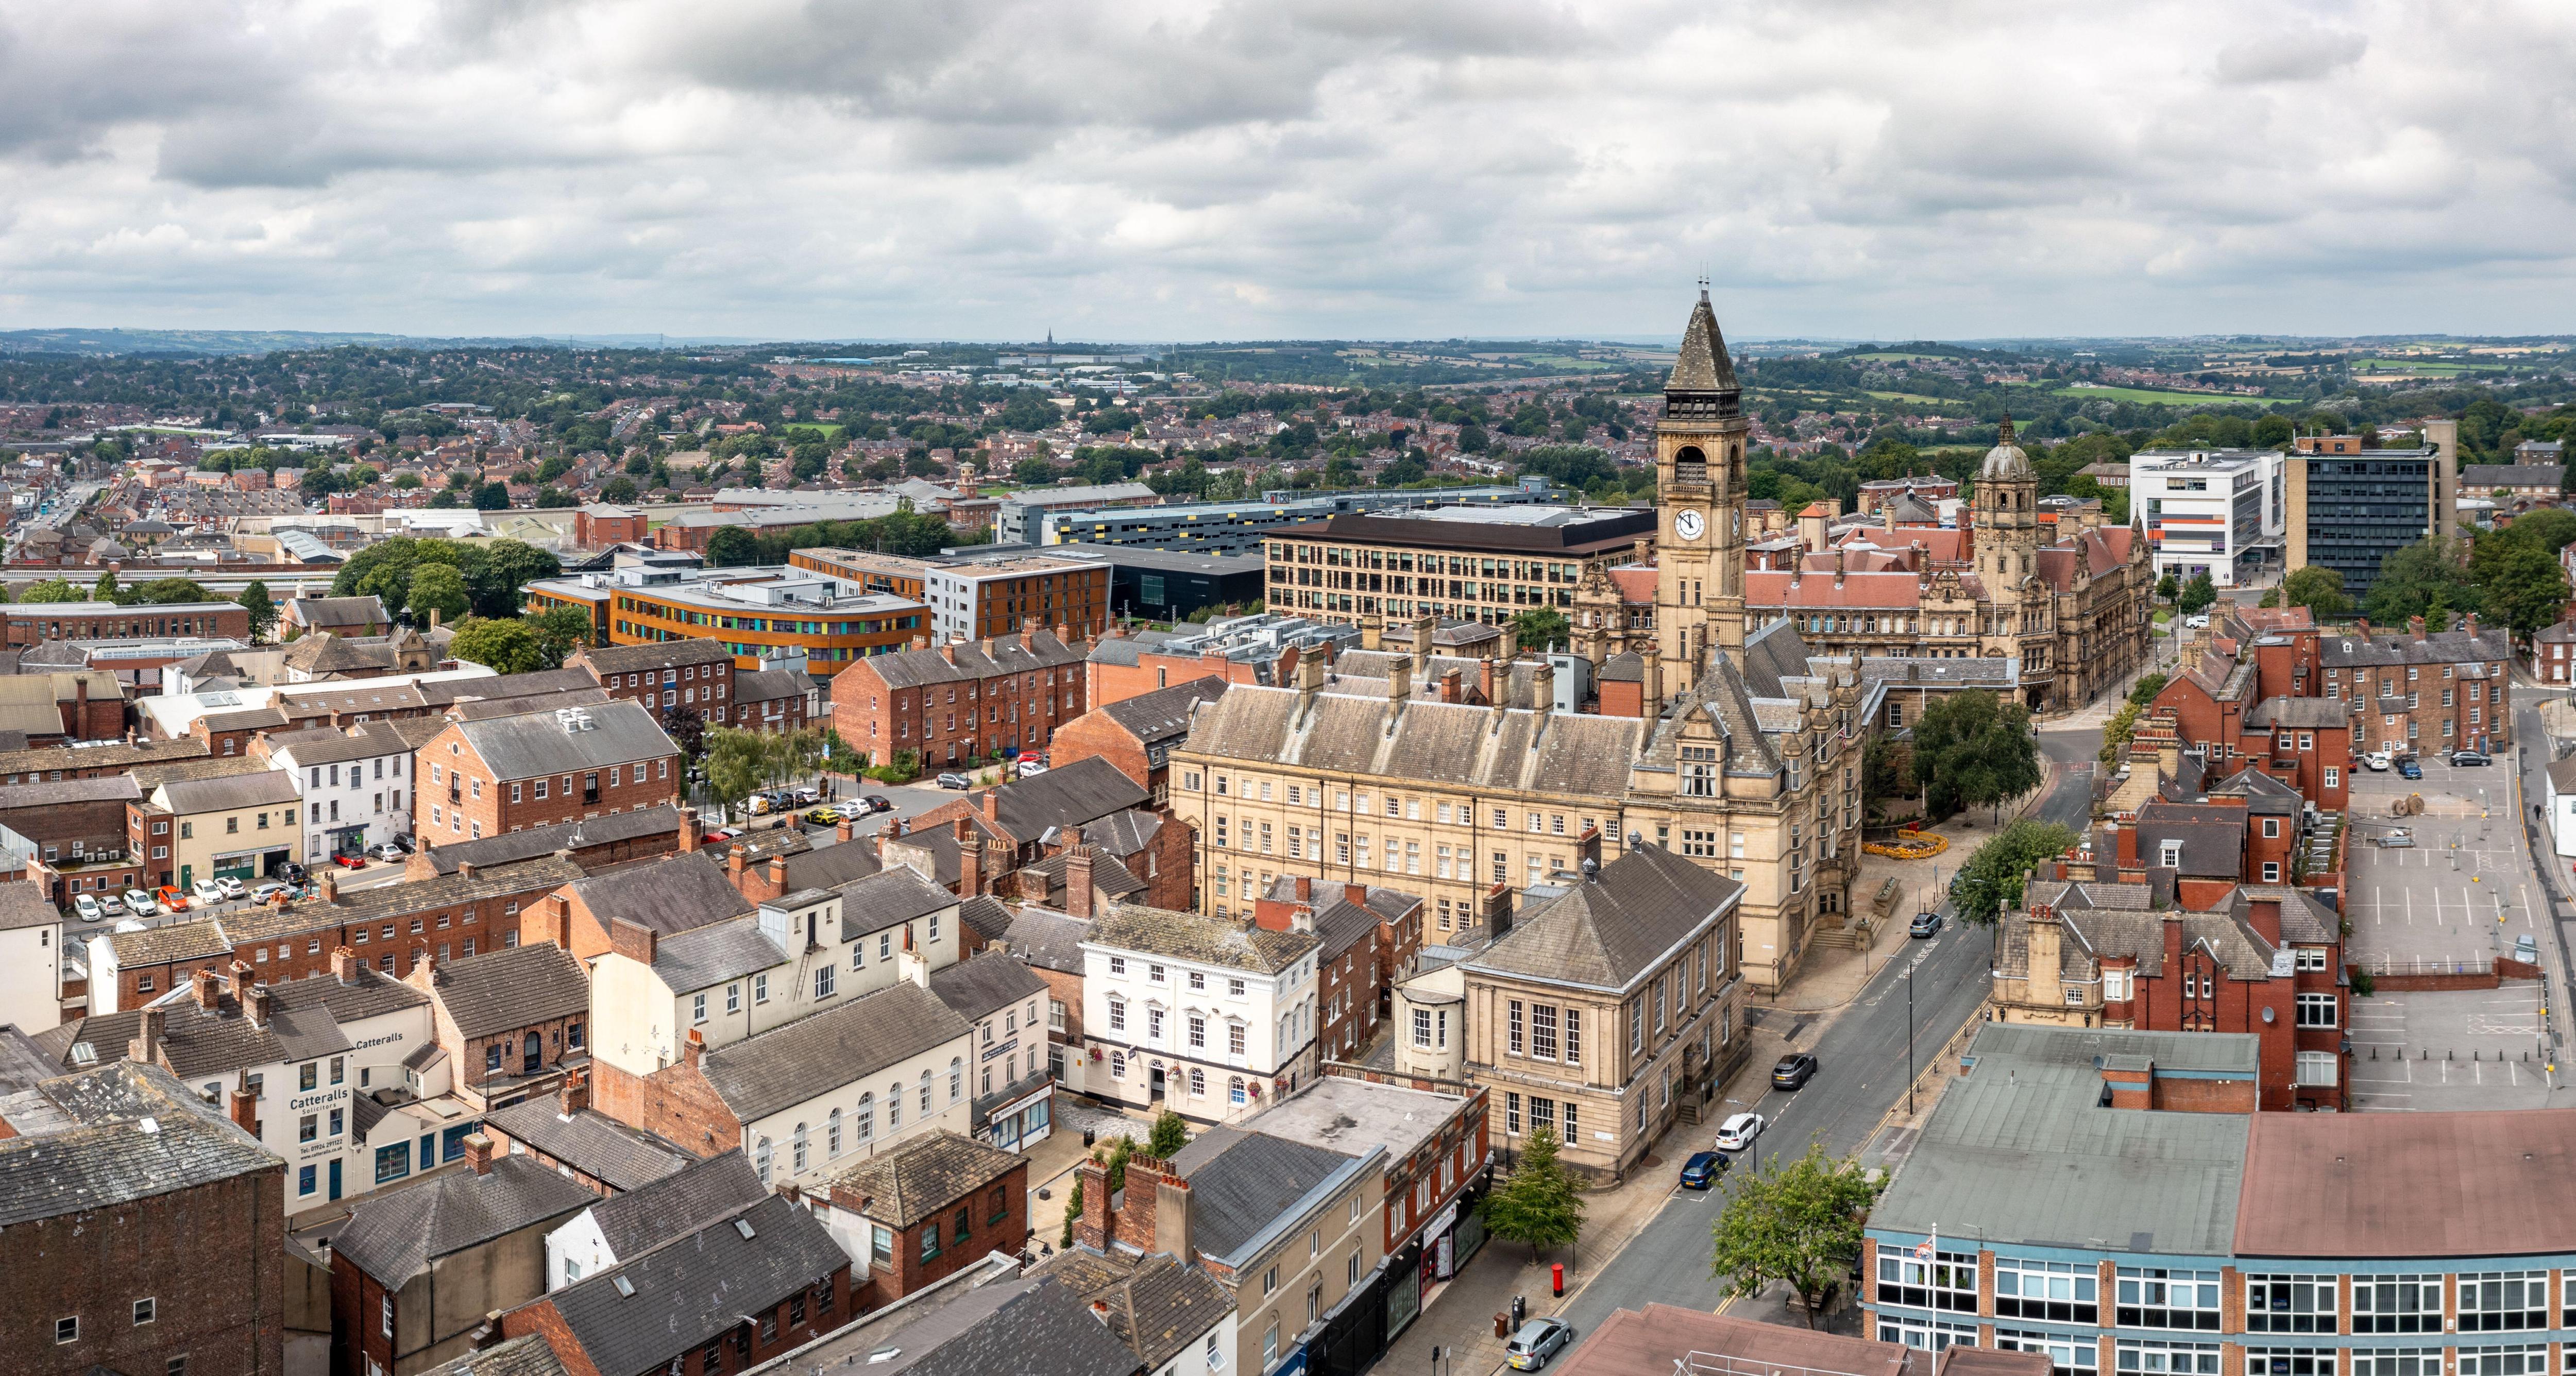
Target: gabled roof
pixel 1011 654
pixel 228 792
pixel 80 1143
pixel 591 1142
pixel 693 1289
pixel 511 846
pixel 526 1355
pixel 1608 931
pixel 1241 1182
pixel 704 957
pixel 1081 792
pixel 535 744
pixel 660 654
pixel 1157 1305
pixel 1164 713
pixel 985 984
pixel 1436 742
pixel 670 894
pixel 396 1235
pixel 923 1177
pixel 511 988
pixel 679 1202
pixel 1208 940
pixel 815 1055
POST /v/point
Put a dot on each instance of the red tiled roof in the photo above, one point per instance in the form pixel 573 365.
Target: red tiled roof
pixel 2478 1183
pixel 1635 582
pixel 1889 590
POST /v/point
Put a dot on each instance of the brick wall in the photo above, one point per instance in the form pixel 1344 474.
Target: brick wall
pixel 207 1257
pixel 986 1232
pixel 1095 735
pixel 946 722
pixel 448 807
pixel 675 1101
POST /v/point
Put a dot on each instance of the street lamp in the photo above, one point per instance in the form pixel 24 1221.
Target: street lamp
pixel 1909 1041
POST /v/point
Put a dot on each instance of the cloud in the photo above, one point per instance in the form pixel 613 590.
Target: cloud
pixel 1230 168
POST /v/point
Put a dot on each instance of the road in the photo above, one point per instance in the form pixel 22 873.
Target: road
pixel 1863 1055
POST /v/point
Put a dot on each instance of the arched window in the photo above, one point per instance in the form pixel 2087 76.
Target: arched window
pixel 800 1148
pixel 1233 1095
pixel 956 1078
pixel 1117 1065
pixel 760 1159
pixel 925 1094
pixel 867 1117
pixel 1198 1083
pixel 894 1105
pixel 832 1134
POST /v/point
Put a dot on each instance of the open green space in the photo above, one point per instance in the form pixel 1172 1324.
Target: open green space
pixel 1918 400
pixel 1889 355
pixel 2409 365
pixel 831 430
pixel 2151 397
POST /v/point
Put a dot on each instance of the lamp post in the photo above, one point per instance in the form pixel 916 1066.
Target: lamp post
pixel 1909 1041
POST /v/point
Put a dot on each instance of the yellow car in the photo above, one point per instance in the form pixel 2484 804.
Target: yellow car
pixel 824 816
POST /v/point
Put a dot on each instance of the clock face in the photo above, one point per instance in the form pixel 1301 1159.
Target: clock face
pixel 1689 525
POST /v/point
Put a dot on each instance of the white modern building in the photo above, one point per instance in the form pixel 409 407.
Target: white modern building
pixel 31 958
pixel 2222 512
pixel 1208 1016
pixel 355 785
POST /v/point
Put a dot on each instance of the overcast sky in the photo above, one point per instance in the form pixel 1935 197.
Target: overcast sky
pixel 1148 169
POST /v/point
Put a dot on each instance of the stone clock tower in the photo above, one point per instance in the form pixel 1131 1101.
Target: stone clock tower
pixel 1699 533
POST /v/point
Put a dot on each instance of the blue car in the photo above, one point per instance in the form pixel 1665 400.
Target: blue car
pixel 1702 1170
pixel 2408 769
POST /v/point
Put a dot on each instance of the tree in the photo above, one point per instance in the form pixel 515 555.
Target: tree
pixel 164 592
pixel 618 489
pixel 492 497
pixel 1171 1133
pixel 51 590
pixel 1991 880
pixel 687 730
pixel 1540 628
pixel 439 589
pixel 1972 749
pixel 2428 578
pixel 505 646
pixel 1541 1204
pixel 560 631
pixel 555 497
pixel 732 547
pixel 2525 588
pixel 734 766
pixel 1797 1221
pixel 2117 733
pixel 106 589
pixel 263 612
pixel 2167 587
pixel 2196 595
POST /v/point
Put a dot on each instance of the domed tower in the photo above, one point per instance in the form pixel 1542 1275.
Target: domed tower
pixel 1699 530
pixel 2007 516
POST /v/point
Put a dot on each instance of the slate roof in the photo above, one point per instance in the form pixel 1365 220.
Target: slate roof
pixel 1157 1305
pixel 526 877
pixel 534 683
pixel 1235 943
pixel 80 1143
pixel 513 987
pixel 1068 797
pixel 1046 940
pixel 1108 876
pixel 322 745
pixel 1242 1181
pixel 1610 931
pixel 527 1355
pixel 704 957
pixel 696 1287
pixel 1010 1326
pixel 1126 649
pixel 24 904
pixel 1164 713
pixel 662 654
pixel 536 743
pixel 2213 838
pixel 2480 478
pixel 396 1235
pixel 769 685
pixel 670 894
pixel 2327 714
pixel 985 984
pixel 1011 654
pixel 225 793
pixel 885 899
pixel 1123 834
pixel 677 1203
pixel 591 1142
pixel 511 846
pixel 191 940
pixel 815 1055
pixel 1435 742
pixel 2437 647
pixel 321 613
pixel 830 867
pixel 2094 934
pixel 923 1177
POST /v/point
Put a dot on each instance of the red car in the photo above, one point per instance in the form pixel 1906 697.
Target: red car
pixel 353 862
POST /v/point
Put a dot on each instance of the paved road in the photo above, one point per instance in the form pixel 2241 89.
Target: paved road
pixel 1863 1055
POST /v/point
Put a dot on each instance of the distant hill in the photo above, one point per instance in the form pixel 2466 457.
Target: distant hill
pixel 200 343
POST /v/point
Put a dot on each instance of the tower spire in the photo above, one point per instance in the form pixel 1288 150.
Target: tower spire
pixel 2004 435
pixel 1703 365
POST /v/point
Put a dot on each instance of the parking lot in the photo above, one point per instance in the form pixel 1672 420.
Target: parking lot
pixel 2461 893
pixel 2459 1049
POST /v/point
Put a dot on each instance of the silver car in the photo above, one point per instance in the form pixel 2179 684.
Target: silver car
pixel 1539 1342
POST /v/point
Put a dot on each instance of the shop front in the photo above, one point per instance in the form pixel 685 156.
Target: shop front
pixel 338 841
pixel 1432 1258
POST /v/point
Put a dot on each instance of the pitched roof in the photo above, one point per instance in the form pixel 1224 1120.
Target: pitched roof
pixel 1045 939
pixel 526 1355
pixel 922 1177
pixel 1165 712
pixel 2480 1183
pixel 1011 654
pixel 328 612
pixel 24 904
pixel 1242 1181
pixel 815 1055
pixel 670 894
pixel 1436 742
pixel 682 1201
pixel 693 1289
pixel 533 744
pixel 1157 1305
pixel 1208 940
pixel 1702 364
pixel 510 988
pixel 2212 838
pixel 228 792
pixel 1612 929
pixel 872 903
pixel 704 957
pixel 117 1133
pixel 1122 834
pixel 511 846
pixel 1081 792
pixel 395 1236
pixel 591 1142
pixel 985 984
pixel 660 654
pixel 195 939
pixel 2437 647
pixel 998 1325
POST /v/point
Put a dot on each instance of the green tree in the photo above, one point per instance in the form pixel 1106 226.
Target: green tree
pixel 618 489
pixel 1797 1221
pixel 1540 628
pixel 735 765
pixel 52 590
pixel 1541 1204
pixel 164 592
pixel 503 646
pixel 552 498
pixel 560 631
pixel 406 482
pixel 2552 528
pixel 2117 732
pixel 2525 589
pixel 1171 1133
pixel 2271 598
pixel 1991 880
pixel 1972 749
pixel 106 589
pixel 2168 587
pixel 492 497
pixel 732 547
pixel 438 588
pixel 2144 691
pixel 1072 1211
pixel 2428 578
pixel 263 612
pixel 2196 595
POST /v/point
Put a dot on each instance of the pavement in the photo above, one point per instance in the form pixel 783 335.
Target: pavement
pixel 1876 1024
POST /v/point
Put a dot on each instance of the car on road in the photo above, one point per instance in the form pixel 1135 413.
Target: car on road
pixel 2377 760
pixel 140 903
pixel 878 802
pixel 1702 1170
pixel 1538 1342
pixel 386 851
pixel 2408 769
pixel 954 780
pixel 806 793
pixel 1924 924
pixel 234 888
pixel 2526 949
pixel 1030 769
pixel 350 862
pixel 87 906
pixel 269 892
pixel 2467 757
pixel 1738 1132
pixel 1794 1070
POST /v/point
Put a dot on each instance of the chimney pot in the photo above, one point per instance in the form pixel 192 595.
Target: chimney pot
pixel 576 1093
pixel 478 1154
pixel 203 985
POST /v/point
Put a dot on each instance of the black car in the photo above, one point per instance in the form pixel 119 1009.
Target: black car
pixel 1924 924
pixel 2461 757
pixel 1793 1071
pixel 877 802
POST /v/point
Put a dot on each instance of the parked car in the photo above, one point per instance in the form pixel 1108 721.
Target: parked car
pixel 1538 1342
pixel 294 872
pixel 1702 1170
pixel 760 805
pixel 824 816
pixel 234 888
pixel 2196 621
pixel 2464 757
pixel 1793 1071
pixel 955 780
pixel 2408 769
pixel 386 851
pixel 2377 760
pixel 206 891
pixel 2526 949
pixel 350 862
pixel 2398 839
pixel 140 903
pixel 1924 924
pixel 1738 1132
pixel 878 802
pixel 269 892
pixel 807 793
pixel 404 843
pixel 109 905
pixel 87 906
pixel 1030 769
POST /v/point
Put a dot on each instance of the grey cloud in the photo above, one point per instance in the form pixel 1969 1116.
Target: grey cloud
pixel 2307 55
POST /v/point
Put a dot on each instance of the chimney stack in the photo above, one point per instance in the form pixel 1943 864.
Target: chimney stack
pixel 1301 917
pixel 146 1046
pixel 1077 882
pixel 970 860
pixel 845 831
pixel 203 985
pixel 690 831
pixel 576 1093
pixel 2415 628
pixel 694 1050
pixel 1305 888
pixel 244 1105
pixel 1171 1216
pixel 478 1153
pixel 330 883
pixel 345 964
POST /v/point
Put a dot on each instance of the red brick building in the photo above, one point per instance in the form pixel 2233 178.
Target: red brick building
pixel 2433 693
pixel 503 774
pixel 168 1252
pixel 664 676
pixel 1351 968
pixel 512 1020
pixel 63 706
pixel 928 1209
pixel 31 623
pixel 1137 734
pixel 666 895
pixel 961 701
pixel 597 526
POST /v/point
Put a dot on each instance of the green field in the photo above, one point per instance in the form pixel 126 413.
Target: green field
pixel 2154 398
pixel 2402 365
pixel 831 430
pixel 1922 401
pixel 1566 364
pixel 1890 355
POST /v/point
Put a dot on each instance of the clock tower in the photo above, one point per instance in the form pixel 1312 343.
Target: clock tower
pixel 1699 480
